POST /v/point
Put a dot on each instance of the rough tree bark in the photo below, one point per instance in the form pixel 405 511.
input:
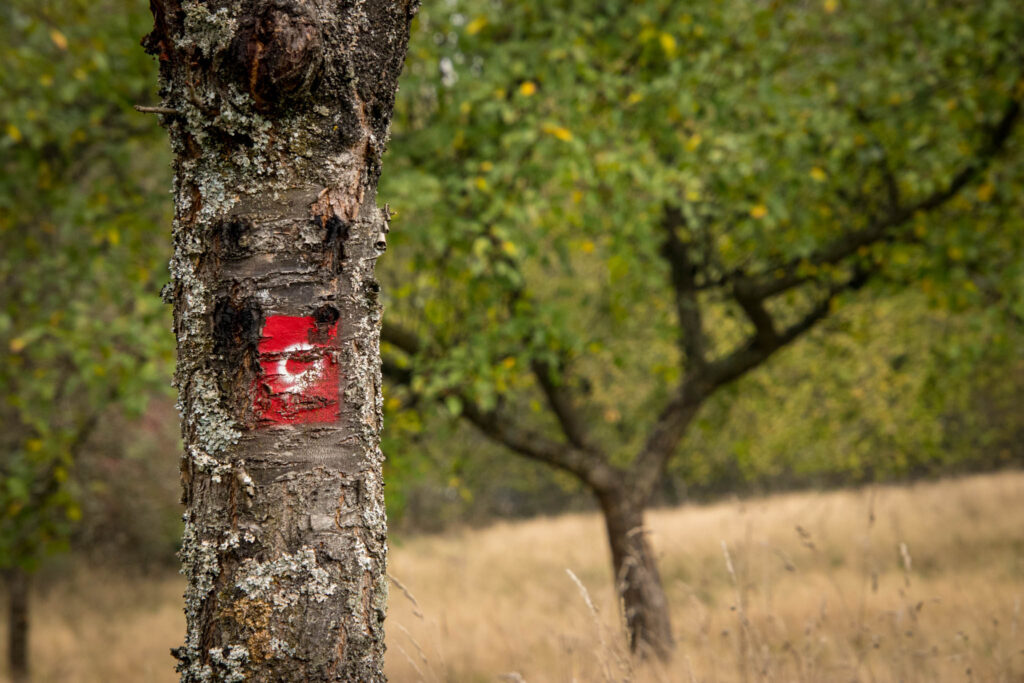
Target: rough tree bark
pixel 278 114
pixel 18 588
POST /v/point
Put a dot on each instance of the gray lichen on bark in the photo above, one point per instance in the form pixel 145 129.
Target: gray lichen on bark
pixel 282 114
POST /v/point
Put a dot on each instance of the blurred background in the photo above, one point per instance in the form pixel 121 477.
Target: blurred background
pixel 849 507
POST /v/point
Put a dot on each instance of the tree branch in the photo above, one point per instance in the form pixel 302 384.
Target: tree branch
pixel 683 278
pixel 756 351
pixel 500 427
pixel 555 391
pixel 765 334
pixel 665 435
pixel 696 387
pixel 561 404
pixel 770 284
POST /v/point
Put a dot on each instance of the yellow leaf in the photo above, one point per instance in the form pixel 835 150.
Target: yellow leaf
pixel 955 253
pixel 587 247
pixel 759 211
pixel 527 88
pixel 985 192
pixel 693 142
pixel 668 44
pixel 481 183
pixel 831 6
pixel 114 236
pixel 692 196
pixel 465 107
pixel 34 445
pixel 74 513
pixel 46 80
pixel 563 134
pixel 13 132
pixel 58 39
pixel 474 27
pixel 392 404
pixel 577 196
pixel 634 98
pixel 509 248
pixel 17 344
pixel 486 166
pixel 818 174
pixel 509 363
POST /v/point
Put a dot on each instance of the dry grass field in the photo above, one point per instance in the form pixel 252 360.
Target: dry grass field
pixel 919 583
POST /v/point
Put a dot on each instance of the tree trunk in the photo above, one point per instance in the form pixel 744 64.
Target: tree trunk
pixel 644 605
pixel 18 586
pixel 278 114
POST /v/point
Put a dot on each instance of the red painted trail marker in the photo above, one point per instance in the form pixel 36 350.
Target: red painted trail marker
pixel 299 379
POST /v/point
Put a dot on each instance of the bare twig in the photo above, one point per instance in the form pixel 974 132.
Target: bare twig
pixel 167 111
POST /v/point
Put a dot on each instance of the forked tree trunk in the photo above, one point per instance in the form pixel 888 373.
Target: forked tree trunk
pixel 644 605
pixel 18 587
pixel 278 114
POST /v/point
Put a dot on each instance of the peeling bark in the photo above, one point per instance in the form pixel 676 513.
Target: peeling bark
pixel 278 117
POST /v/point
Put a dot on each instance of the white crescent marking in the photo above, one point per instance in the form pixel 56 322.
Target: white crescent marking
pixel 298 383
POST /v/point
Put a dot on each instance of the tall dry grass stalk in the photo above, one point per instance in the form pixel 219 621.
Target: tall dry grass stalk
pixel 918 584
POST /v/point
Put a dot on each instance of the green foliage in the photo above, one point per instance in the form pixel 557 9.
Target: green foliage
pixel 82 205
pixel 536 145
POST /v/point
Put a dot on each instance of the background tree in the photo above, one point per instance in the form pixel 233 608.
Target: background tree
pixel 278 114
pixel 608 194
pixel 81 331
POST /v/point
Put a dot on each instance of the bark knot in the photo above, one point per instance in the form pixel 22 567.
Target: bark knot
pixel 281 51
